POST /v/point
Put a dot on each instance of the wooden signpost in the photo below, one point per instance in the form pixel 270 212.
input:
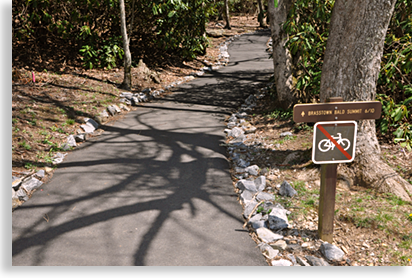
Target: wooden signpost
pixel 334 142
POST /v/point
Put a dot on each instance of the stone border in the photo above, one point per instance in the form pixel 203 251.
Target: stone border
pixel 277 239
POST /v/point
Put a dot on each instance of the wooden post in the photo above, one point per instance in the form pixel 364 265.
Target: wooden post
pixel 328 177
pixel 326 213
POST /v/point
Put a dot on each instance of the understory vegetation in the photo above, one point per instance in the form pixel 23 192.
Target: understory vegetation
pixel 307 28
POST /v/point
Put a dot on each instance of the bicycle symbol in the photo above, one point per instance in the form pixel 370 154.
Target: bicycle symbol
pixel 326 144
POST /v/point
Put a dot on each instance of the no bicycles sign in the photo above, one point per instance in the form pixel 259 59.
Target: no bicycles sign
pixel 334 142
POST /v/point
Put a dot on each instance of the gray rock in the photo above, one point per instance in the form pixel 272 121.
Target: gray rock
pixel 127 95
pixel 22 195
pixel 267 235
pixel 249 130
pixel 58 158
pixel 88 128
pixel 239 139
pixel 14 199
pixel 252 170
pixel 80 137
pixel 331 252
pixel 279 245
pixel 315 261
pixel 112 110
pixel 249 208
pixel 241 115
pixel 236 132
pixel 71 143
pixel 269 251
pixel 124 107
pixel 90 125
pixel 287 190
pixel 246 196
pixel 233 118
pixel 302 261
pixel 16 181
pixel 281 262
pixel 41 174
pixel 287 133
pixel 135 100
pixel 257 221
pixel 246 185
pixel 294 247
pixel 264 196
pixel 31 184
pixel 231 124
pixel 292 258
pixel 143 97
pixel 277 219
pixel 104 114
pixel 260 183
pixel 91 122
pixel 125 100
pixel 240 170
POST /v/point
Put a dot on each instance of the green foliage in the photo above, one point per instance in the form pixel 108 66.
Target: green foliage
pixel 105 56
pixel 180 25
pixel 396 120
pixel 307 28
pixel 92 27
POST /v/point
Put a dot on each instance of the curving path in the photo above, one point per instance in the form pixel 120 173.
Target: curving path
pixel 154 188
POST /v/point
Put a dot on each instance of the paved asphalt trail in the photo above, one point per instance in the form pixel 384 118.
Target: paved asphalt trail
pixel 154 188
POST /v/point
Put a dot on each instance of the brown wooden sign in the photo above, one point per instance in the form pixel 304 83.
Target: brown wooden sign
pixel 337 111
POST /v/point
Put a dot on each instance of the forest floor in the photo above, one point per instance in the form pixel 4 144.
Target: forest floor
pixel 372 228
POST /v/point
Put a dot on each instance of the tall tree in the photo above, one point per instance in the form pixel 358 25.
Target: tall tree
pixel 261 14
pixel 127 79
pixel 282 59
pixel 226 7
pixel 351 68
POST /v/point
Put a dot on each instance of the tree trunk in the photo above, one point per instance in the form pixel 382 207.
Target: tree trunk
pixel 261 14
pixel 282 59
pixel 227 15
pixel 351 67
pixel 127 80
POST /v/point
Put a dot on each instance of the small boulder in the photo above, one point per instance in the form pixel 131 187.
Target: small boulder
pixel 252 170
pixel 113 109
pixel 281 262
pixel 90 125
pixel 246 185
pixel 287 133
pixel 280 245
pixel 331 252
pixel 31 184
pixel 260 183
pixel 267 250
pixel 287 190
pixel 267 235
pixel 315 261
pixel 277 219
pixel 257 221
pixel 236 132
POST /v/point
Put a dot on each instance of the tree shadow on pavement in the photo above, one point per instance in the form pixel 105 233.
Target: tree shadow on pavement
pixel 154 173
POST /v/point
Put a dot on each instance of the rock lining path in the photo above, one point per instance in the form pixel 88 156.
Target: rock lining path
pixel 154 188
